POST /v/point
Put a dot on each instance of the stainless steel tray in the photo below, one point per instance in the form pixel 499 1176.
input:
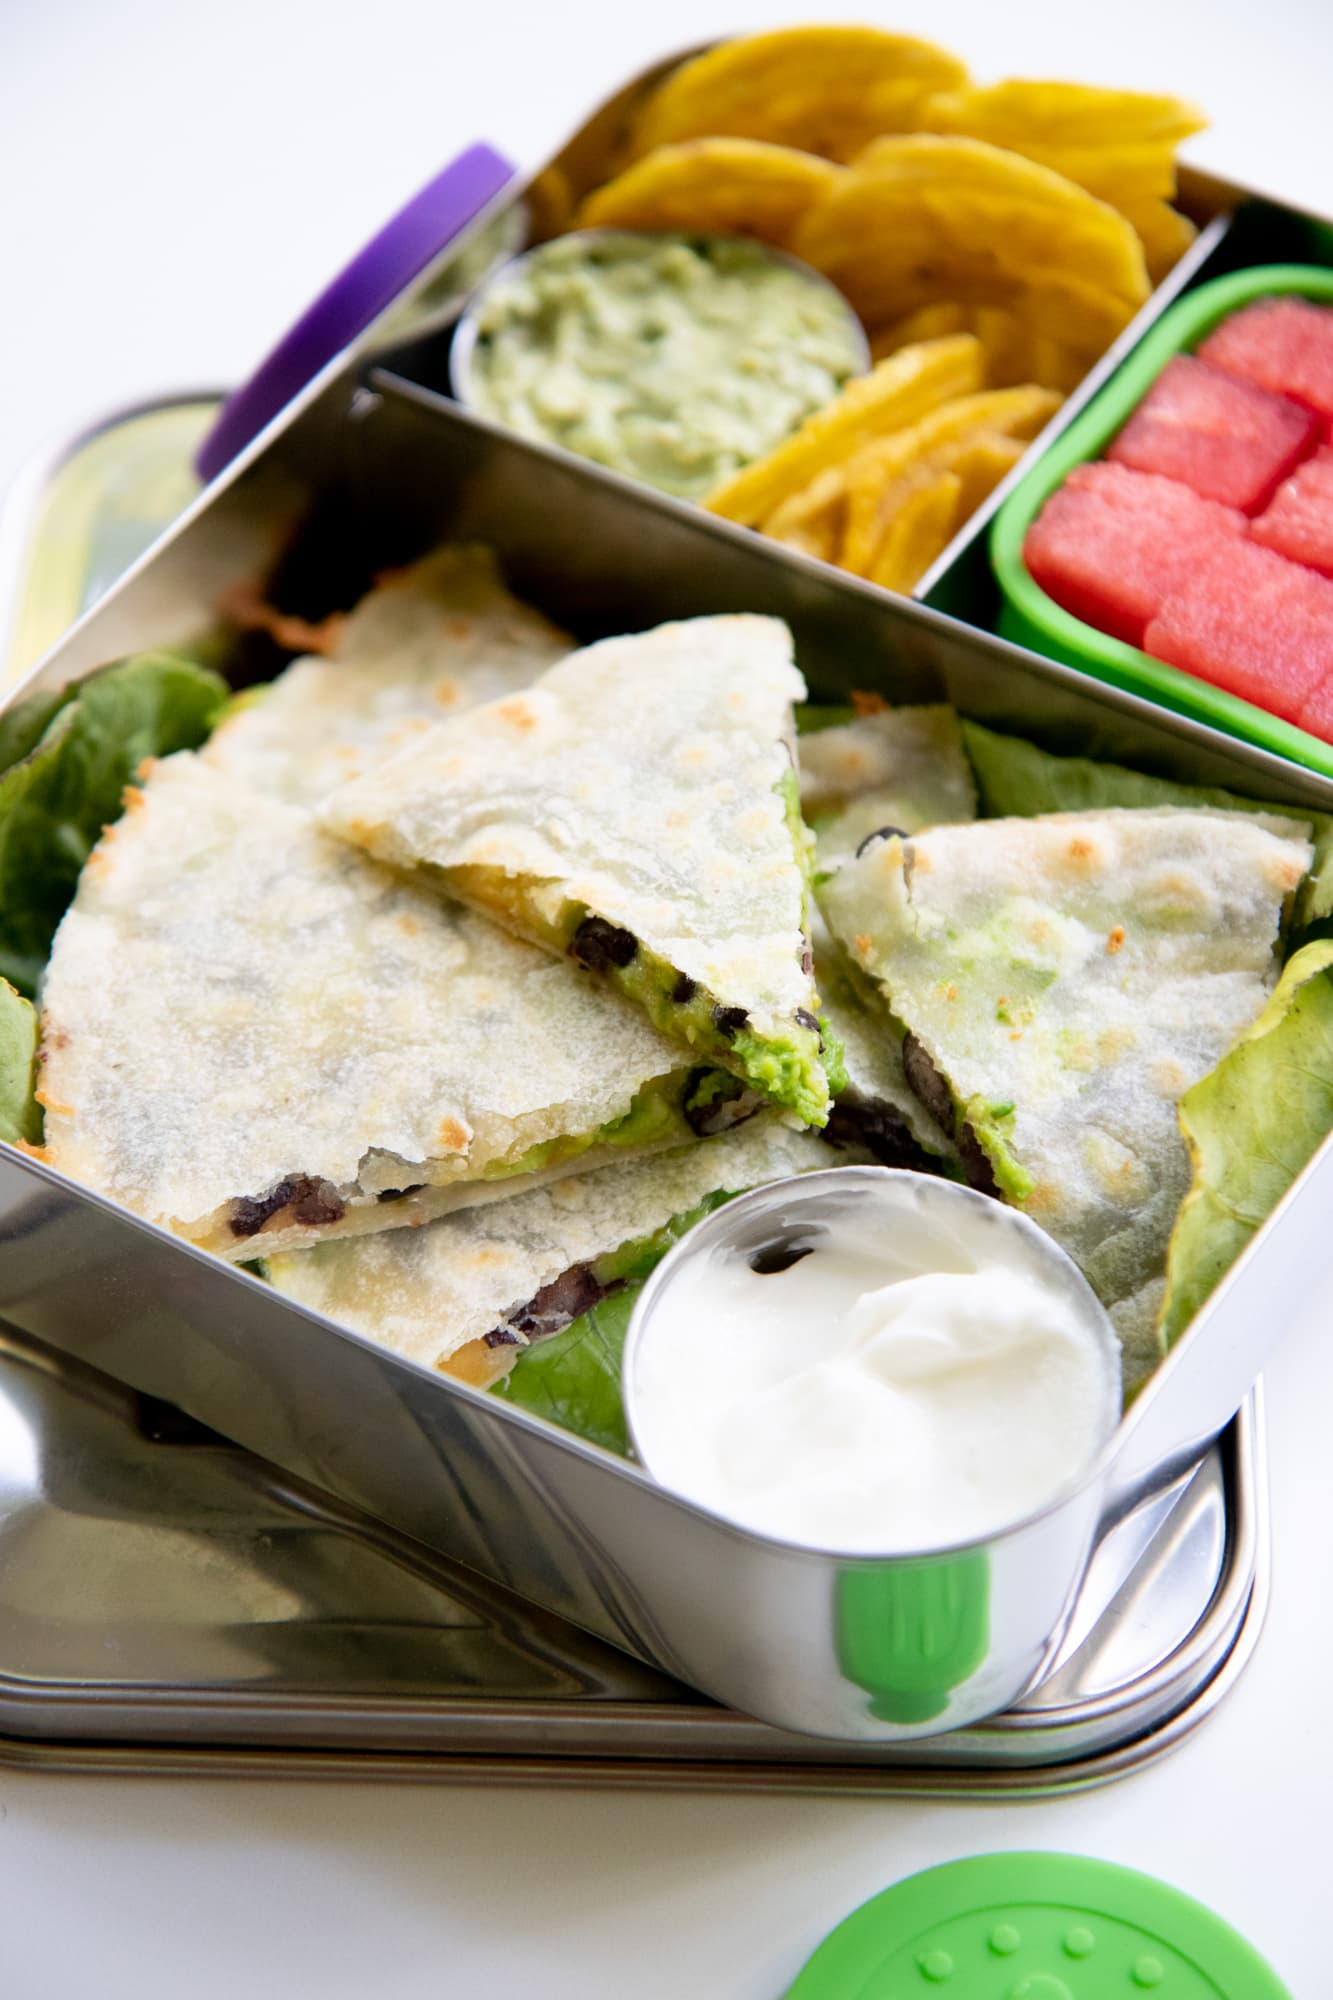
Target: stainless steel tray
pixel 365 468
pixel 170 1604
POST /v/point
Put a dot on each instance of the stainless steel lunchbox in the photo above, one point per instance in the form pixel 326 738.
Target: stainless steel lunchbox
pixel 368 467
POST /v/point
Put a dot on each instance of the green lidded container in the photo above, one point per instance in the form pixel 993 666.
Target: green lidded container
pixel 1030 618
pixel 1035 1927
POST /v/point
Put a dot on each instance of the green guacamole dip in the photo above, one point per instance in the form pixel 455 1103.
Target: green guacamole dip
pixel 675 359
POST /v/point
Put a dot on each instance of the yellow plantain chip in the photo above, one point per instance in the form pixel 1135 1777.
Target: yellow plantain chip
pixel 823 89
pixel 872 475
pixel 732 187
pixel 925 218
pixel 819 505
pixel 926 323
pixel 981 462
pixel 1022 112
pixel 1164 232
pixel 814 539
pixel 919 531
pixel 897 392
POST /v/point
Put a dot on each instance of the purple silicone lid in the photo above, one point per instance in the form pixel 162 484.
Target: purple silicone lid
pixel 376 275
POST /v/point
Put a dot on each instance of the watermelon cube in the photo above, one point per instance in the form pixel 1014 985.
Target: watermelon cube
pixel 1256 625
pixel 1110 544
pixel 1280 344
pixel 1225 438
pixel 1298 520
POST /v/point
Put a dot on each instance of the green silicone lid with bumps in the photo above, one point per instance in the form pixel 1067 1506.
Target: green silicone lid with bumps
pixel 1035 1927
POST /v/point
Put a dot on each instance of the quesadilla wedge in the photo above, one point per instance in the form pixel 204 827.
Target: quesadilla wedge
pixel 258 1038
pixel 469 1293
pixel 892 767
pixel 427 642
pixel 903 767
pixel 1062 981
pixel 637 810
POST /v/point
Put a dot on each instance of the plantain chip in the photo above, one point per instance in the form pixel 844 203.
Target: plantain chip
pixel 897 392
pixel 874 476
pixel 1119 144
pixel 1015 352
pixel 1164 232
pixel 920 530
pixel 824 90
pixel 550 204
pixel 815 509
pixel 981 462
pixel 925 218
pixel 732 187
pixel 926 323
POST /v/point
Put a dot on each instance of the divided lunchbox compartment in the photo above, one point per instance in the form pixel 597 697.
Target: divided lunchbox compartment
pixel 370 474
pixel 368 467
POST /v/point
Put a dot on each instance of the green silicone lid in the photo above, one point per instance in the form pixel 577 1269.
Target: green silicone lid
pixel 1030 618
pixel 1035 1927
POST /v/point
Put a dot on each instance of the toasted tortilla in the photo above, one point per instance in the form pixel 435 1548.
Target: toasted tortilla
pixel 429 1293
pixel 1063 980
pixel 428 642
pixel 900 767
pixel 258 1038
pixel 903 767
pixel 636 807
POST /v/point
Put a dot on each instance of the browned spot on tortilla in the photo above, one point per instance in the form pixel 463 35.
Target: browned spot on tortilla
pixel 866 703
pixel 457 626
pixel 862 945
pixel 451 1136
pixel 448 692
pixel 53 1104
pixel 1081 849
pixel 408 926
pixel 518 714
pixel 132 798
pixel 42 1153
pixel 244 606
pixel 951 992
pixel 1115 940
pixel 146 769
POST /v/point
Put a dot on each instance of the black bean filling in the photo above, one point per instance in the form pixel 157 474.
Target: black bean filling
pixel 807 960
pixel 807 1020
pixel 927 1083
pixel 598 945
pixel 312 1203
pixel 729 1021
pixel 554 1307
pixel 398 1194
pixel 934 1092
pixel 881 833
pixel 684 990
pixel 882 1131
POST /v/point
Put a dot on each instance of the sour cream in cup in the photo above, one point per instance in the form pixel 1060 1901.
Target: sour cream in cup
pixel 870 1361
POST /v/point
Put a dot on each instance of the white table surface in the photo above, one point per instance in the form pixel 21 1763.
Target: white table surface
pixel 177 181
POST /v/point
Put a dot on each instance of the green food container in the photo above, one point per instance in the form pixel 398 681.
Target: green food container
pixel 1030 618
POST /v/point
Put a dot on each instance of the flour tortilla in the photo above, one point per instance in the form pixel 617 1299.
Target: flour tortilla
pixel 427 1293
pixel 235 999
pixel 428 642
pixel 903 767
pixel 1069 977
pixel 640 781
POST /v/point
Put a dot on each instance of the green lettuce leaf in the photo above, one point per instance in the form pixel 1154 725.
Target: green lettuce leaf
pixel 56 799
pixel 573 1378
pixel 1251 1125
pixel 23 726
pixel 1015 777
pixel 20 1113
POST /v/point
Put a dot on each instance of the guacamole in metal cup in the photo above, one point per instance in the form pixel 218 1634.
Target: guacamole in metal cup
pixel 676 359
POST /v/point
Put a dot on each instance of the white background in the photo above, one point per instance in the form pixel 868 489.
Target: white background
pixel 176 180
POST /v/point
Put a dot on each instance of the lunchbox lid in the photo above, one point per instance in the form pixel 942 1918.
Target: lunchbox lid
pixel 380 270
pixel 1036 1927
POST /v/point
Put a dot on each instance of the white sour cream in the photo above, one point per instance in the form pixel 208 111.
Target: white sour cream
pixel 857 1401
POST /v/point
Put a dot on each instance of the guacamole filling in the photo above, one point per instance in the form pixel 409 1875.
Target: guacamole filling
pixel 976 1127
pixel 669 1111
pixel 675 359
